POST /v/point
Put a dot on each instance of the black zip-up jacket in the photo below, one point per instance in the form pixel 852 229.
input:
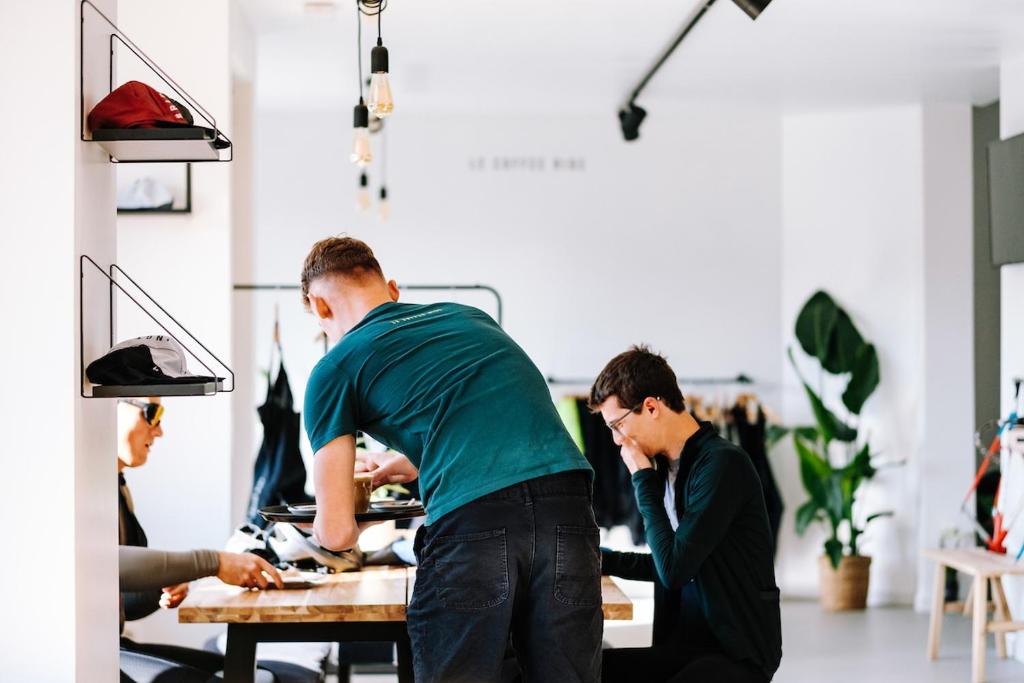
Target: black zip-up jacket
pixel 723 544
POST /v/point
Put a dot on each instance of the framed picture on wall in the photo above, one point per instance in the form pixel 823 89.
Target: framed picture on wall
pixel 154 188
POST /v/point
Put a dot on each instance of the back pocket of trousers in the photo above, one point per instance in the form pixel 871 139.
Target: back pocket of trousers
pixel 577 566
pixel 471 569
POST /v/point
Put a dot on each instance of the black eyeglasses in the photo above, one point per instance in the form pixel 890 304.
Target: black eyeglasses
pixel 614 424
pixel 153 412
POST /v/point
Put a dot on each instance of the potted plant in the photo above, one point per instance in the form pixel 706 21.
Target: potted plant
pixel 835 459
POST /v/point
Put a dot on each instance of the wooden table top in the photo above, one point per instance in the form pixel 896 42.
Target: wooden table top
pixel 374 594
pixel 976 561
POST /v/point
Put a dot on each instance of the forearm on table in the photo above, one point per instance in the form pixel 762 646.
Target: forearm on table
pixel 632 566
pixel 142 569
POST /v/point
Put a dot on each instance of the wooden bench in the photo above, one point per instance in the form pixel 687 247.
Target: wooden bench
pixel 988 570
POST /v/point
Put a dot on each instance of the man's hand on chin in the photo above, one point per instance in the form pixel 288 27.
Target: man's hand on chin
pixel 634 457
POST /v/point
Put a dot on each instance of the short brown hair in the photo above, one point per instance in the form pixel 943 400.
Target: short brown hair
pixel 345 256
pixel 634 375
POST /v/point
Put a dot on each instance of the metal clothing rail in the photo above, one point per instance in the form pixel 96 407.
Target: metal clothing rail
pixel 411 288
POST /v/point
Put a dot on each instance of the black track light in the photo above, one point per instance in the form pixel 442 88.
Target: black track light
pixel 753 8
pixel 631 115
pixel 630 118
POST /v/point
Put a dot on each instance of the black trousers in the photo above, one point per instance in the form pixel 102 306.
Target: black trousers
pixel 520 562
pixel 661 664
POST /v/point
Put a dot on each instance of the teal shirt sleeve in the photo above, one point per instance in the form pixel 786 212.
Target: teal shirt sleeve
pixel 713 500
pixel 330 406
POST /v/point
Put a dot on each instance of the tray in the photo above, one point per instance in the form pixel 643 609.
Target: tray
pixel 280 513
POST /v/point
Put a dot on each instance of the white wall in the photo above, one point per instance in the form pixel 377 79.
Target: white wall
pixel 673 240
pixel 182 495
pixel 946 461
pixel 876 211
pixel 855 231
pixel 1011 123
pixel 56 201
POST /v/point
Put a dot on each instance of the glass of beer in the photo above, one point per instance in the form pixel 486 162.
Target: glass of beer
pixel 363 488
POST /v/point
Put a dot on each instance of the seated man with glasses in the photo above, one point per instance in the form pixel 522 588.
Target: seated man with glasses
pixel 716 610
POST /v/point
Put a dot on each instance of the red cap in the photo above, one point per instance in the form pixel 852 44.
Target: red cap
pixel 136 105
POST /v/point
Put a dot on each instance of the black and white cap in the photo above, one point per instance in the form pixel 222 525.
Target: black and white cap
pixel 156 359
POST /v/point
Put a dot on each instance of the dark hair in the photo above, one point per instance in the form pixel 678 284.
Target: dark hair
pixel 345 256
pixel 633 376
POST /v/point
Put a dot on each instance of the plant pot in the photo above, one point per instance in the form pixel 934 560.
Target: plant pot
pixel 845 588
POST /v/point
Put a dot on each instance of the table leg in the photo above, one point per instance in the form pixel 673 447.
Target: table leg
pixel 1002 612
pixel 978 640
pixel 938 609
pixel 969 600
pixel 404 651
pixel 240 655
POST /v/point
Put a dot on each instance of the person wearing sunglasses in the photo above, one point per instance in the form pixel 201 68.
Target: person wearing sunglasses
pixel 716 604
pixel 152 579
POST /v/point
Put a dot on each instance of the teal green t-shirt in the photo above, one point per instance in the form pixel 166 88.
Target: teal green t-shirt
pixel 445 386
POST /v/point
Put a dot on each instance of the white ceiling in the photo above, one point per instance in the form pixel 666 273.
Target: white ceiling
pixel 586 55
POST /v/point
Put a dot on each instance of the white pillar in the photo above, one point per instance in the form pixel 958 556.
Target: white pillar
pixel 56 202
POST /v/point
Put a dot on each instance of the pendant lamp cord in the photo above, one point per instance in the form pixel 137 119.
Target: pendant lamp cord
pixel 359 49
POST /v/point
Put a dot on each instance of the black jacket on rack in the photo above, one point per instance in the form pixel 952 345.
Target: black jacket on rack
pixel 752 440
pixel 614 503
pixel 279 476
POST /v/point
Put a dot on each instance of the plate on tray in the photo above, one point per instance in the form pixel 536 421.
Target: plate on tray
pixel 306 514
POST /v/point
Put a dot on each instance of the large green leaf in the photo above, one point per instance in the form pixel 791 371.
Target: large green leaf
pixel 831 427
pixel 814 472
pixel 835 498
pixel 878 515
pixel 864 379
pixel 843 345
pixel 834 550
pixel 807 433
pixel 815 324
pixel 861 467
pixel 809 512
pixel 774 434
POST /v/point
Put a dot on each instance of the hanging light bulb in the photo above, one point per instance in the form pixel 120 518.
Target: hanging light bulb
pixel 383 207
pixel 363 193
pixel 361 155
pixel 381 102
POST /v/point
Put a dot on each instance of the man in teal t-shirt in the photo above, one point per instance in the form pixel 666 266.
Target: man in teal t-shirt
pixel 510 546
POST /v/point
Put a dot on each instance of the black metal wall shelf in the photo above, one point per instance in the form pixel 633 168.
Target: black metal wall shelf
pixel 138 390
pixel 151 145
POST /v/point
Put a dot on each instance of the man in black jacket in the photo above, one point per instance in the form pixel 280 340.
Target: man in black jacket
pixel 716 610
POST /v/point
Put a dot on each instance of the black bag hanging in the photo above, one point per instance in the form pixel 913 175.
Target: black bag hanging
pixel 279 476
pixel 752 440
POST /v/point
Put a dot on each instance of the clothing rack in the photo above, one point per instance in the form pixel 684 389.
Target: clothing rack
pixel 259 287
pixel 683 381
